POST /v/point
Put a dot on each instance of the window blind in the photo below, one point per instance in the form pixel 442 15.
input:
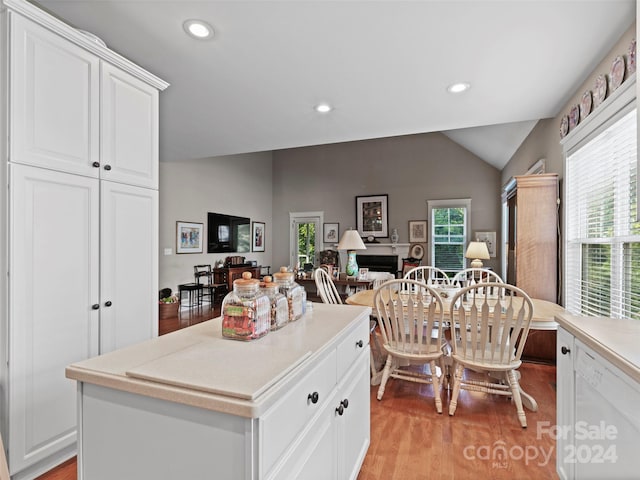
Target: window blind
pixel 449 238
pixel 602 248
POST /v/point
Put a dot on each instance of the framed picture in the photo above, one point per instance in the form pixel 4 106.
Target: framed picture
pixel 372 216
pixel 330 232
pixel 257 236
pixel 417 231
pixel 189 237
pixel 490 239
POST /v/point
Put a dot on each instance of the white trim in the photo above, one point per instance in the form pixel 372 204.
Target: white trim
pixel 450 203
pixel 310 217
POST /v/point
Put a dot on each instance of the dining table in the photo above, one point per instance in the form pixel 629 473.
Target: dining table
pixel 543 318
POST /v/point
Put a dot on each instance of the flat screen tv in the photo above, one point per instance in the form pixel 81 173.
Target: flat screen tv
pixel 228 233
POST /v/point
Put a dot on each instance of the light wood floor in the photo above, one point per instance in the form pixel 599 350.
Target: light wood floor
pixel 410 441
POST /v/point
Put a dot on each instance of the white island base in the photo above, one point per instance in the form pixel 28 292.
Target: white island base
pixel 191 404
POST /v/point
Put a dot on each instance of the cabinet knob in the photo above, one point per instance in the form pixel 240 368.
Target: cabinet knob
pixel 108 303
pixel 565 350
pixel 340 410
pixel 345 403
pixel 96 164
pixel 359 344
pixel 107 167
pixel 314 397
pixel 95 306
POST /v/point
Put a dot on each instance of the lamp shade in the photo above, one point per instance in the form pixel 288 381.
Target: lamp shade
pixel 351 241
pixel 478 251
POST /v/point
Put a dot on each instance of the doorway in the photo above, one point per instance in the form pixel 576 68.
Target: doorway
pixel 305 238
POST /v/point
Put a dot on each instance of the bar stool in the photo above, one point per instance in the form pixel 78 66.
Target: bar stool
pixel 194 291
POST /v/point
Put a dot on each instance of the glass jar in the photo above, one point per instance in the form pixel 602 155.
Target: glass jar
pixel 279 304
pixel 292 291
pixel 246 311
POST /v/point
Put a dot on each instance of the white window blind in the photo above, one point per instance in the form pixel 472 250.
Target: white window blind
pixel 602 253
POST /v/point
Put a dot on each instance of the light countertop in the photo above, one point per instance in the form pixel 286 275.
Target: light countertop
pixel 197 366
pixel 615 339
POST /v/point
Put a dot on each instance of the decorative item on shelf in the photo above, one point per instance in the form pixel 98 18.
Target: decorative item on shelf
pixel 574 117
pixel 585 105
pixel 477 251
pixel 394 236
pixel 564 126
pixel 416 251
pixel 351 242
pixel 600 90
pixel 631 57
pixel 617 72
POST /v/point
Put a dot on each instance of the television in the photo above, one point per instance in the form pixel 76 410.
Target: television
pixel 228 233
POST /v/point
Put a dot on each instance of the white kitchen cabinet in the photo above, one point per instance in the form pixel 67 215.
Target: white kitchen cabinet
pixel 598 391
pixel 160 410
pixel 53 285
pixel 129 129
pixel 79 243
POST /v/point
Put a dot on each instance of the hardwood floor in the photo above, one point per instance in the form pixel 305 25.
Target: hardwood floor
pixel 410 441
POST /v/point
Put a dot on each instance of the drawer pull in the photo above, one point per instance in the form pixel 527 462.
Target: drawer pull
pixel 108 303
pixel 565 350
pixel 359 344
pixel 107 167
pixel 314 397
pixel 345 403
pixel 340 410
pixel 96 164
pixel 95 306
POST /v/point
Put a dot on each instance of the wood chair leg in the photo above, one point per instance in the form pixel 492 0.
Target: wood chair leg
pixel 385 376
pixel 515 391
pixel 457 379
pixel 436 385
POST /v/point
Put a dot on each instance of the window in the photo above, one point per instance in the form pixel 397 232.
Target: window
pixel 602 234
pixel 449 220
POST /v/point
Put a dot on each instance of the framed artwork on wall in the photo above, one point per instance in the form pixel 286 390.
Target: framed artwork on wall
pixel 490 239
pixel 189 237
pixel 257 236
pixel 372 215
pixel 330 232
pixel 417 231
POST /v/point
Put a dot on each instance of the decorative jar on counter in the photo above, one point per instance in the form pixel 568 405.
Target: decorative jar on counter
pixel 246 311
pixel 279 303
pixel 293 291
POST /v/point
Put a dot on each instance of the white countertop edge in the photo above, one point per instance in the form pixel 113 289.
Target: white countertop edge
pixel 585 335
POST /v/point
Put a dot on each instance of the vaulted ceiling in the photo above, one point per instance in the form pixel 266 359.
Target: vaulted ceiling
pixel 384 67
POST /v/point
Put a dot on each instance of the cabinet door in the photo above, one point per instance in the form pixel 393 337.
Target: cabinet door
pixel 353 426
pixel 129 126
pixel 53 284
pixel 565 400
pixel 53 102
pixel 128 265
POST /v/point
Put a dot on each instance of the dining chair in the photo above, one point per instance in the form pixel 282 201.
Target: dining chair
pixel 428 275
pixel 203 275
pixel 471 276
pixel 488 334
pixel 410 320
pixel 326 288
pixel 379 278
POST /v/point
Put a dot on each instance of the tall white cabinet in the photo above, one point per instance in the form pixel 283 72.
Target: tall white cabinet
pixel 79 146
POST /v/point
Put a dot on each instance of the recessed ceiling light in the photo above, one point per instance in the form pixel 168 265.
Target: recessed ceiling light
pixel 198 29
pixel 458 87
pixel 323 108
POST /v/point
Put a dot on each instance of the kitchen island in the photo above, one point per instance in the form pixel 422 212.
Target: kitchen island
pixel 192 404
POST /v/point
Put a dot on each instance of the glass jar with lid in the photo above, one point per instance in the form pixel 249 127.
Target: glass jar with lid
pixel 246 311
pixel 279 303
pixel 293 291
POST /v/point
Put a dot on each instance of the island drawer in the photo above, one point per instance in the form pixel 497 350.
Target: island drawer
pixel 283 422
pixel 353 345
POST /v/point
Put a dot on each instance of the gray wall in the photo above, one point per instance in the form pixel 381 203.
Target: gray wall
pixel 544 139
pixel 235 185
pixel 410 169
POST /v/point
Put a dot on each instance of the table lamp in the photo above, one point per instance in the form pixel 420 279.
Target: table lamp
pixel 351 242
pixel 478 251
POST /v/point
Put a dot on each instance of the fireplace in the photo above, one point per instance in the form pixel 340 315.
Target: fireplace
pixel 378 263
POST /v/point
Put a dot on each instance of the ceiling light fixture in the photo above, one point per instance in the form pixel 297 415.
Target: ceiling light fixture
pixel 323 108
pixel 198 29
pixel 458 87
